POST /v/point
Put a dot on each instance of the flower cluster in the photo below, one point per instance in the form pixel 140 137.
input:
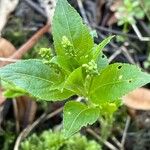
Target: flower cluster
pixel 45 53
pixel 68 47
pixel 91 68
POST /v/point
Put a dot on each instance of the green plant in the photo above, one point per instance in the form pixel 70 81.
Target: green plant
pixel 145 4
pixel 79 67
pixel 128 12
pixel 49 140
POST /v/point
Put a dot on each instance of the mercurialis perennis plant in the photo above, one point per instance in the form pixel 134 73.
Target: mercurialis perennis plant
pixel 78 67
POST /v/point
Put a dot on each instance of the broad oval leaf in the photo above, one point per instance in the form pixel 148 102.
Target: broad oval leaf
pixel 115 81
pixel 36 78
pixel 77 115
pixel 67 22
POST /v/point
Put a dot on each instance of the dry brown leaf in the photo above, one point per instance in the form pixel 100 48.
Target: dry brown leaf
pixel 139 99
pixel 116 4
pixel 6 48
pixel 26 110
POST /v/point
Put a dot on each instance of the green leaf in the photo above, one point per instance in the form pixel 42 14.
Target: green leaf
pixel 77 115
pixel 99 48
pixel 64 63
pixel 99 56
pixel 35 78
pixel 115 81
pixel 12 91
pixel 75 82
pixel 102 62
pixel 67 22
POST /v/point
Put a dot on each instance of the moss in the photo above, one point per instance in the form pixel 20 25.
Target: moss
pixel 49 140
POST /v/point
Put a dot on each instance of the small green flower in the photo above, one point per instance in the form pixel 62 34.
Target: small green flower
pixel 91 68
pixel 45 53
pixel 68 47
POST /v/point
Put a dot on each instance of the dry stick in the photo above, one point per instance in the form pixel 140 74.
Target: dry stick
pixel 106 143
pixel 113 31
pixel 135 28
pixel 114 55
pixel 125 132
pixel 29 128
pixel 127 55
pixel 115 140
pixel 8 59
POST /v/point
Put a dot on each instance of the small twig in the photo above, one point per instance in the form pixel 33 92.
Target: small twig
pixel 127 54
pixel 106 143
pixel 29 128
pixel 114 139
pixel 115 31
pixel 8 59
pixel 54 113
pixel 135 28
pixel 125 132
pixel 114 55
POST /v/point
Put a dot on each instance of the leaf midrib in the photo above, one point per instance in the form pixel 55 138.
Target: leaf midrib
pixel 68 27
pixel 35 77
pixel 77 118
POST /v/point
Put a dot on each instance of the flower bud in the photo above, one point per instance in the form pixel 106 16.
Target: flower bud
pixel 68 47
pixel 91 68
